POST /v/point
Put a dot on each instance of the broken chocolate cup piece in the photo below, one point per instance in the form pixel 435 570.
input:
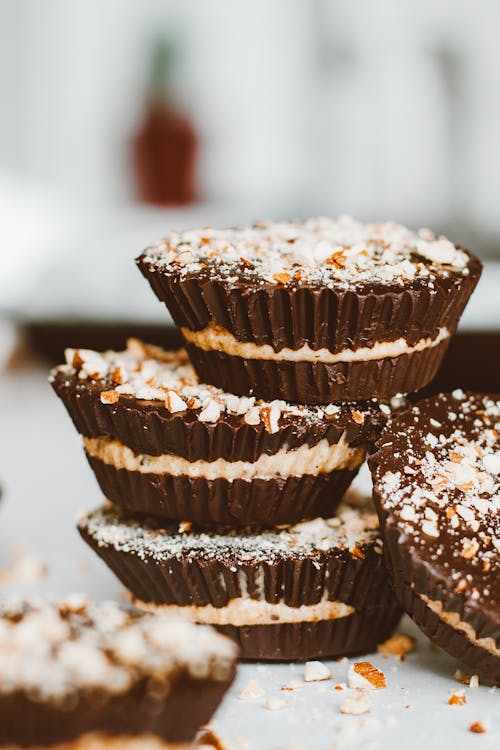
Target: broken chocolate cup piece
pixel 311 590
pixel 436 474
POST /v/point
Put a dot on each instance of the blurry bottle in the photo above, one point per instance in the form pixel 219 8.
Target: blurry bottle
pixel 164 148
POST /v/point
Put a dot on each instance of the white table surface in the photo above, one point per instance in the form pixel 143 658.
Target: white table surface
pixel 46 482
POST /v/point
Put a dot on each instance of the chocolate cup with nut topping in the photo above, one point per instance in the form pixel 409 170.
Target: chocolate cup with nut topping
pixel 89 676
pixel 163 444
pixel 313 312
pixel 316 589
pixel 436 473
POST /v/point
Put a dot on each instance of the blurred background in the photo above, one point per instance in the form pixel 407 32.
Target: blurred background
pixel 121 119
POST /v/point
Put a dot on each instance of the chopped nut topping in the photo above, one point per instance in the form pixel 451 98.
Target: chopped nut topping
pixel 109 397
pixel 357 417
pixel 174 403
pixel 281 278
pixel 337 259
pixel 270 416
pixel 343 252
pixel 356 552
pixel 118 375
pixel 210 412
pixel 470 549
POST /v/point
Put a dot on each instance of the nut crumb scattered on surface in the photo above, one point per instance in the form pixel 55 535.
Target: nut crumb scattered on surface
pixel 292 685
pixel 252 691
pixel 457 698
pixel 275 704
pixel 358 701
pixel 315 671
pixel 398 645
pixel 363 674
pixel 477 728
pixel 474 682
pixel 339 686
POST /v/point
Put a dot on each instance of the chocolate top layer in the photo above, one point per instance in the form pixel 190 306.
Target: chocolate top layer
pixel 342 254
pixel 53 650
pixel 437 475
pixel 159 393
pixel 355 527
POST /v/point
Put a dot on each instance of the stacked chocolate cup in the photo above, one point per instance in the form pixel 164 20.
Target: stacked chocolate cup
pixel 226 473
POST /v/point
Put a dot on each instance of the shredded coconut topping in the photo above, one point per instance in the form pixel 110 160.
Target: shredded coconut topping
pixel 148 373
pixel 355 526
pixel 54 650
pixel 443 480
pixel 341 253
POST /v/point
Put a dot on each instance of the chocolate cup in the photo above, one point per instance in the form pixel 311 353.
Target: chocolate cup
pixel 202 578
pixel 454 642
pixel 318 383
pixel 176 718
pixel 360 582
pixel 263 502
pixel 359 633
pixel 293 315
pixel 433 567
pixel 149 428
pixel 412 577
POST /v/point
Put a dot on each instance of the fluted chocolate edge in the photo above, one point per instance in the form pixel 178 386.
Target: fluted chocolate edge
pixel 359 633
pixel 454 642
pixel 333 318
pixel 196 580
pixel 316 382
pixel 149 428
pixel 263 502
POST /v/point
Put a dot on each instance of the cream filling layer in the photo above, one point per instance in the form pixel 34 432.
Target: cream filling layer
pixel 216 338
pixel 245 611
pixel 453 619
pixel 321 458
pixel 97 741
